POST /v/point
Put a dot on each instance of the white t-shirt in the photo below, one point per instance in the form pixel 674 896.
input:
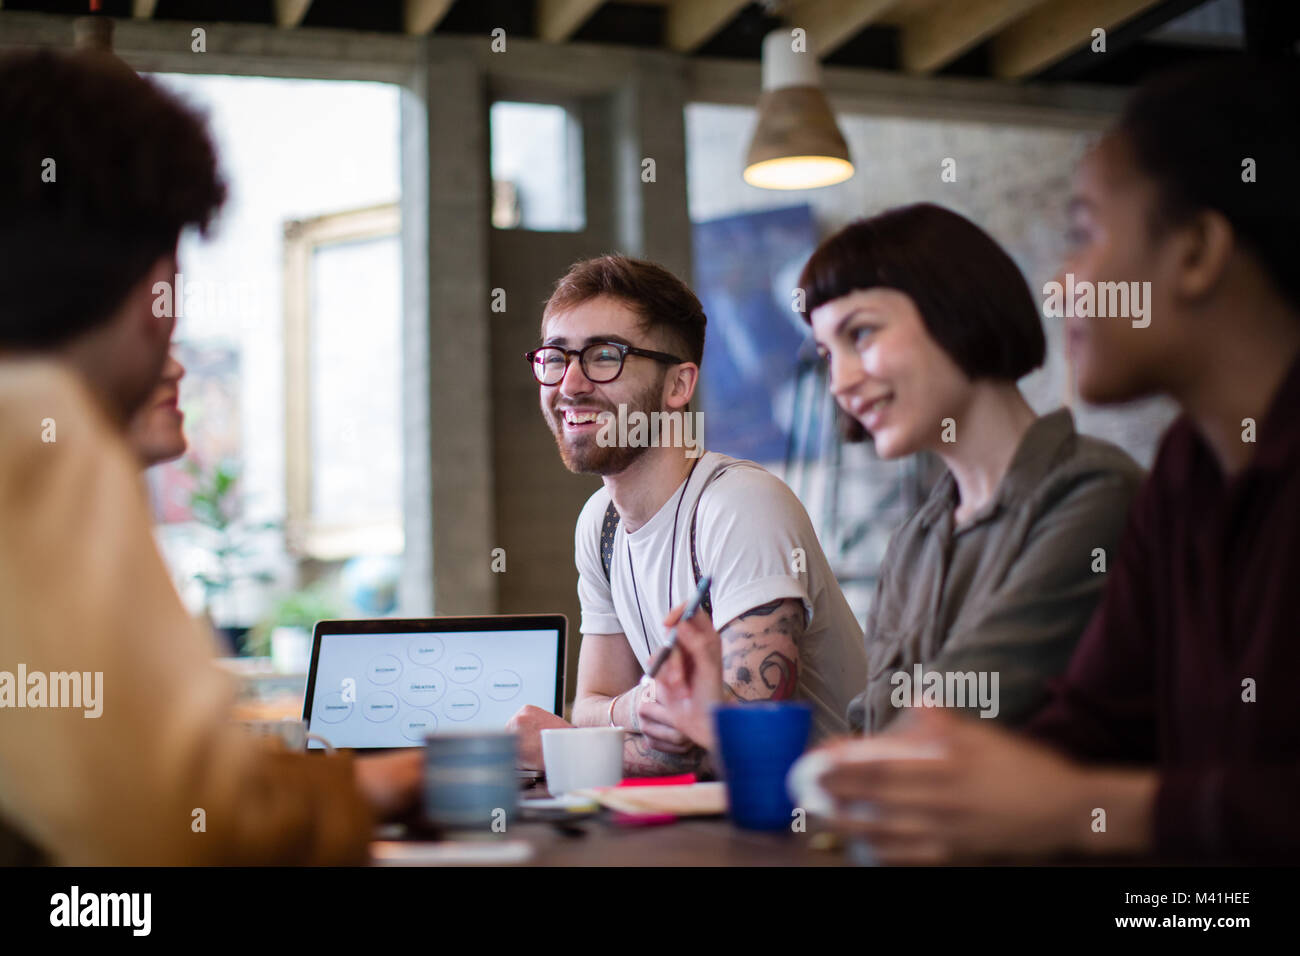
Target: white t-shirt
pixel 748 527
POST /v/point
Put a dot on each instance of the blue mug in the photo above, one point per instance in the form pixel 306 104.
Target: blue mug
pixel 758 743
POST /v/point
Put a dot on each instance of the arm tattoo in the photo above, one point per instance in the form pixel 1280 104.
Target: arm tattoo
pixel 760 651
pixel 778 673
pixel 640 759
pixel 763 609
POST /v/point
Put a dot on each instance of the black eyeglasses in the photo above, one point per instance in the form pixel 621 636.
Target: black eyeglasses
pixel 601 362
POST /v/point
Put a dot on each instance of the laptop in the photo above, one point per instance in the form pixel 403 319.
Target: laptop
pixel 386 684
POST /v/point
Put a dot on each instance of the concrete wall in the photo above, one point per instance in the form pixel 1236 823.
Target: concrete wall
pixel 449 492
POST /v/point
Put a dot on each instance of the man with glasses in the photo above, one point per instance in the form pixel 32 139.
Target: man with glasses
pixel 622 341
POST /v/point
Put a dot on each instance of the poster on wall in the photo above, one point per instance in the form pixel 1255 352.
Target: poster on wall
pixel 746 269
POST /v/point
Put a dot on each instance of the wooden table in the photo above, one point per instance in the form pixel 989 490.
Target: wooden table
pixel 691 841
pixel 694 841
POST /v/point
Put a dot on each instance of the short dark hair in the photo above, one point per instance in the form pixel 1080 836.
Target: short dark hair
pixel 662 301
pixel 1192 129
pixel 132 167
pixel 973 299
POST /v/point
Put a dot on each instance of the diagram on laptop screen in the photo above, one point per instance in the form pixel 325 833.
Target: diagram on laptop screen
pixel 390 690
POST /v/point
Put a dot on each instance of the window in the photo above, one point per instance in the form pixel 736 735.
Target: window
pixel 290 331
pixel 343 360
pixel 537 172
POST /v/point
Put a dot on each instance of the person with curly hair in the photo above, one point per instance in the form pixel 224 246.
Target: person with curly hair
pixel 126 753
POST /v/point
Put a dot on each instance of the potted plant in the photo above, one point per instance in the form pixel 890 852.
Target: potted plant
pixel 215 505
pixel 285 634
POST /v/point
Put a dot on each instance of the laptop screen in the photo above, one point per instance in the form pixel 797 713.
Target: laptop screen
pixel 389 683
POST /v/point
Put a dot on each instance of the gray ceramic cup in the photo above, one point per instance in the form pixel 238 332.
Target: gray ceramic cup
pixel 470 781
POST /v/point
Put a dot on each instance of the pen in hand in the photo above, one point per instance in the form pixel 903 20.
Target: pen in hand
pixel 688 612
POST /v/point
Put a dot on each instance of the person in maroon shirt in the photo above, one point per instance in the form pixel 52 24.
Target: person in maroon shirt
pixel 1175 731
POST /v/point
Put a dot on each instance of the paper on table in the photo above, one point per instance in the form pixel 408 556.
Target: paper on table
pixel 577 802
pixel 691 800
pixel 450 853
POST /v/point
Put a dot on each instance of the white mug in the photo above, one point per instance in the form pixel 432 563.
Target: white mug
pixel 290 732
pixel 804 781
pixel 581 757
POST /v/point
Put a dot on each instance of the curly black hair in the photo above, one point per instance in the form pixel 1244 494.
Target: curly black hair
pixel 1193 128
pixel 100 172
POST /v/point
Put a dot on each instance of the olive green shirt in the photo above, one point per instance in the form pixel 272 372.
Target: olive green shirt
pixel 1004 597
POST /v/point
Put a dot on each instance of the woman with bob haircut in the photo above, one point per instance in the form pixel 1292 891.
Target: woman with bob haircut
pixel 927 326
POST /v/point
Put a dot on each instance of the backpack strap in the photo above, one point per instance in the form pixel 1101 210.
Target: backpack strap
pixel 607 529
pixel 707 603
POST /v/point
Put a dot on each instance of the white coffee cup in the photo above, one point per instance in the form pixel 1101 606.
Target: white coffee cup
pixel 804 779
pixel 805 788
pixel 581 757
pixel 290 732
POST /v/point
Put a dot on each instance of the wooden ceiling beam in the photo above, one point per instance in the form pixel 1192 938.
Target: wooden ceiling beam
pixel 289 13
pixel 1053 32
pixel 937 37
pixel 557 20
pixel 692 23
pixel 832 23
pixel 421 16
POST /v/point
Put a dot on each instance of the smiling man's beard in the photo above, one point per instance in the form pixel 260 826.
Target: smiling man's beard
pixel 584 455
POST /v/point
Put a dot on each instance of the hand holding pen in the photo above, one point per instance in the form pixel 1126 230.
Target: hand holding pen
pixel 651 717
pixel 689 682
pixel 692 606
